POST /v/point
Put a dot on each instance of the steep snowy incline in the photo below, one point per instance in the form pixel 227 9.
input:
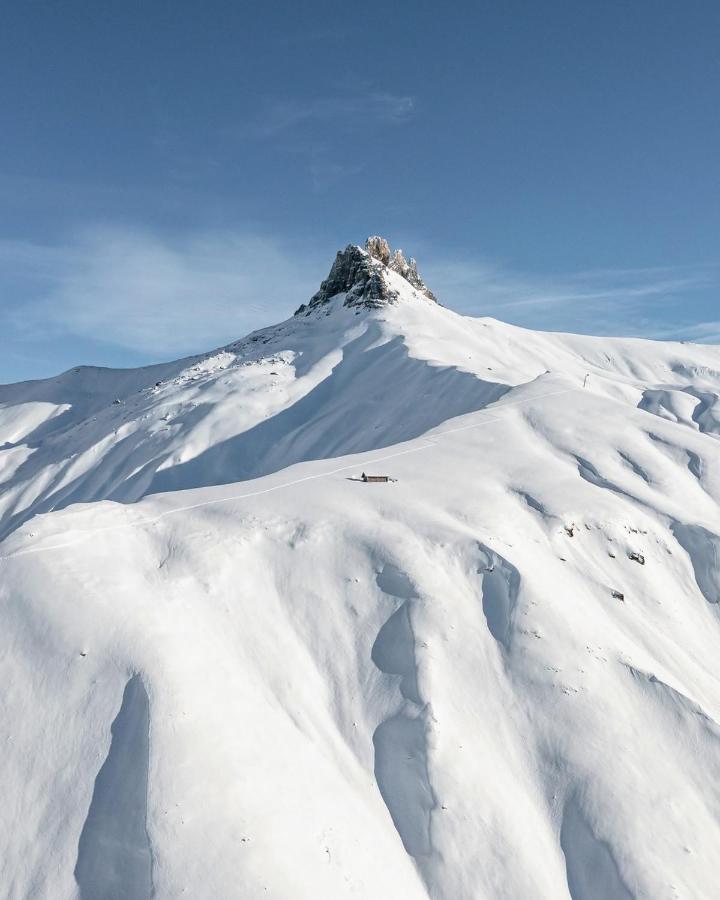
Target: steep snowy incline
pixel 494 678
pixel 348 373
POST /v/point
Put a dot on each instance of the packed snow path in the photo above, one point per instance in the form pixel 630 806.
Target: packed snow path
pixel 367 463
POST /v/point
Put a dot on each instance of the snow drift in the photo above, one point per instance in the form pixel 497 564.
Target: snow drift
pixel 232 669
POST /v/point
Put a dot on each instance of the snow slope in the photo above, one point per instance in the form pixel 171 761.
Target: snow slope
pixel 493 678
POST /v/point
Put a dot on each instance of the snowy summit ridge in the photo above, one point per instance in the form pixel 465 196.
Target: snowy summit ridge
pixel 367 277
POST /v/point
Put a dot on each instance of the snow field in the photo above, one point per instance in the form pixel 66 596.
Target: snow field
pixel 273 680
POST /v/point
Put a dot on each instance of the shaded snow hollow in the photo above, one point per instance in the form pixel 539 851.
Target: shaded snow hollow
pixel 231 669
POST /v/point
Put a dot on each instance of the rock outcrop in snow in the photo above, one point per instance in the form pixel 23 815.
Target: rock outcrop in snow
pixel 364 277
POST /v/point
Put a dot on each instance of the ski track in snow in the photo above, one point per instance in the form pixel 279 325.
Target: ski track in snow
pixel 426 445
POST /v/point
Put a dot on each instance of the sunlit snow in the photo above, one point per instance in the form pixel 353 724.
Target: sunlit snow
pixel 231 669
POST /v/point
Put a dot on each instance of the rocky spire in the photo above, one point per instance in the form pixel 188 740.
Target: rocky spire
pixel 362 276
pixel 378 248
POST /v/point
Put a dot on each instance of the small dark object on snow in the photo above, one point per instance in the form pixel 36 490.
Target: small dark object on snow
pixel 374 478
pixel 637 557
pixel 570 530
pixel 117 402
pixel 158 383
pixel 618 595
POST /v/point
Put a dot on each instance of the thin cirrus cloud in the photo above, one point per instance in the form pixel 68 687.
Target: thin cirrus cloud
pixel 610 302
pixel 697 332
pixel 147 294
pixel 354 111
pixel 313 128
pixel 161 297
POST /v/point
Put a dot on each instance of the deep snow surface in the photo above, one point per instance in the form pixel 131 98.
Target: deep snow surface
pixel 493 678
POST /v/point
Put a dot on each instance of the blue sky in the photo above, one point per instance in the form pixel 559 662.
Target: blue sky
pixel 173 174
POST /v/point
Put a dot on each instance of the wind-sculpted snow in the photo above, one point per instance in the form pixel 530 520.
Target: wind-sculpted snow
pixel 402 775
pixel 500 585
pixel 591 870
pixel 313 387
pixel 272 402
pixel 401 763
pixel 677 705
pixel 689 406
pixel 114 859
pixel 375 397
pixel 634 467
pixel 590 473
pixel 394 649
pixel 681 454
pixel 703 548
pixel 491 677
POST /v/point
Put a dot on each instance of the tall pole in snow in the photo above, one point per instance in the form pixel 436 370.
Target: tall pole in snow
pixel 586 378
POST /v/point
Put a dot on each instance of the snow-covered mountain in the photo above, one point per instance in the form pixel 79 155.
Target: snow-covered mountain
pixel 232 669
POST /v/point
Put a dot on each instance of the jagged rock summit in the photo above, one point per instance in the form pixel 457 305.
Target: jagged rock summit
pixel 363 276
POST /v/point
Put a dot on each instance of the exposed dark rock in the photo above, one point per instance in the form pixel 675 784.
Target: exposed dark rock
pixel 379 249
pixel 408 270
pixel 362 275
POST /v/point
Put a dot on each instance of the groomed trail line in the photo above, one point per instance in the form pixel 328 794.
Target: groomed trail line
pixel 428 443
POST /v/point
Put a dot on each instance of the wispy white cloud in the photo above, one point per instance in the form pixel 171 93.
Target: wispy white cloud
pixel 162 297
pixel 349 112
pixel 327 133
pixel 612 301
pixel 327 173
pixel 700 332
pixel 314 34
pixel 151 295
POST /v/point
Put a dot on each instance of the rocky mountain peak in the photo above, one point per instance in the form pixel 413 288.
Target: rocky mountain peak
pixel 378 248
pixel 362 276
